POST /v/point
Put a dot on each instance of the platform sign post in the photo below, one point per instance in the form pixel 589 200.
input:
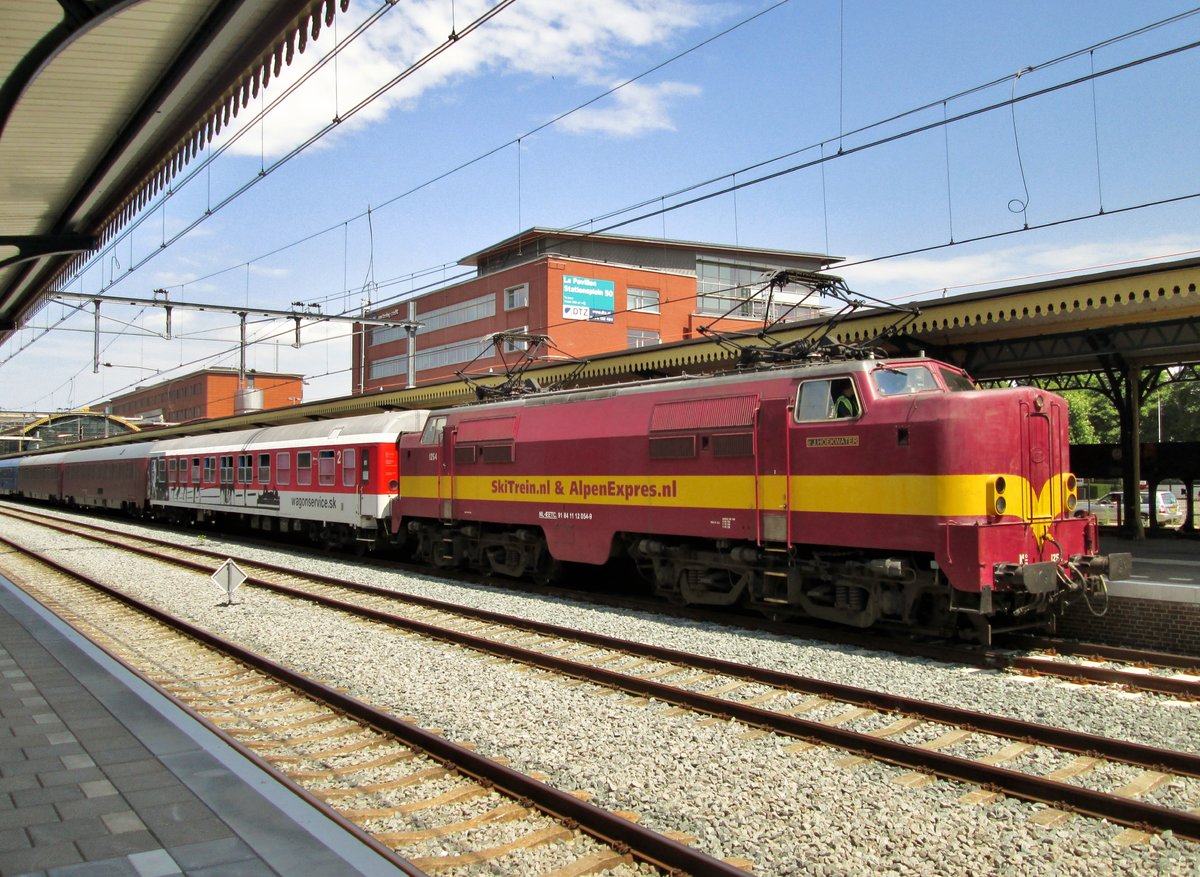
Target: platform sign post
pixel 228 578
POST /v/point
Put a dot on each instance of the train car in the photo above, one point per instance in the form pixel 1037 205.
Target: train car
pixel 40 476
pixel 8 476
pixel 108 478
pixel 332 480
pixel 927 504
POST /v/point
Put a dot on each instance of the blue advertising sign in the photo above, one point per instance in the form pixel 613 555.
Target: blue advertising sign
pixel 585 298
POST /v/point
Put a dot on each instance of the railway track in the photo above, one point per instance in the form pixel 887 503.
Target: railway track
pixel 992 752
pixel 425 803
pixel 1081 664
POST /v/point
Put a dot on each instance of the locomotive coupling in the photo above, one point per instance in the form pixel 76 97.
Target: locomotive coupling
pixel 1115 566
pixel 1036 578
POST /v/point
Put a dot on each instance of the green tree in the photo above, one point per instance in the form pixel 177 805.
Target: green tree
pixel 1177 407
pixel 1093 418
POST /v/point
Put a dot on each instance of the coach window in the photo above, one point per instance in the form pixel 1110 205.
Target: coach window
pixel 227 469
pixel 264 468
pixel 326 464
pixel 210 470
pixel 304 467
pixel 196 471
pixel 245 472
pixel 172 471
pixel 349 467
pixel 366 466
pixel 184 475
pixel 283 468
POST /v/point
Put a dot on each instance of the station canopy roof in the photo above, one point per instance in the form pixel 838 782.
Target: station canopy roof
pixel 103 102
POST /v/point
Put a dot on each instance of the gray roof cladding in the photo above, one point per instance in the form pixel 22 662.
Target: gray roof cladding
pixel 104 102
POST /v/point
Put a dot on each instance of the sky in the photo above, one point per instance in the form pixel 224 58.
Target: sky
pixel 882 133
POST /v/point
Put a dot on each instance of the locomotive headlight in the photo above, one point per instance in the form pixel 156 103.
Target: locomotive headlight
pixel 1072 488
pixel 997 504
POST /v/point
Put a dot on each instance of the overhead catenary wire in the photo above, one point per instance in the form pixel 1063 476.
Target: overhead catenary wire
pixel 947 120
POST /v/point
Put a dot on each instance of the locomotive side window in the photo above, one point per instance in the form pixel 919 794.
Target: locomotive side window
pixel 283 468
pixel 304 467
pixel 325 467
pixel 349 467
pixel 264 468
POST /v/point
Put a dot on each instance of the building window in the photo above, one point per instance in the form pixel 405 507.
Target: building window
pixel 640 338
pixel 516 297
pixel 643 300
pixel 434 357
pixel 480 308
pixel 738 291
pixel 513 345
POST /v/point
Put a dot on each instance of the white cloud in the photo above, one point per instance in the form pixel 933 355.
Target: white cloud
pixel 631 112
pixel 928 276
pixel 581 41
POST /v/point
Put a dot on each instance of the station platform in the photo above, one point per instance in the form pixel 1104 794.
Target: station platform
pixel 1157 608
pixel 101 775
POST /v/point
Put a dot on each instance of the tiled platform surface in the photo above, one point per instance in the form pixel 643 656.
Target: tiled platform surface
pixel 99 776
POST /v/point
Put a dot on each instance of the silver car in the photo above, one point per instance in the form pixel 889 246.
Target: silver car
pixel 1109 509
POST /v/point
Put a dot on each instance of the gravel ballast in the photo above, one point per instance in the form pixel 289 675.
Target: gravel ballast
pixel 739 794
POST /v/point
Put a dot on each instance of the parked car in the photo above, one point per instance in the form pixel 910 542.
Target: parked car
pixel 1109 509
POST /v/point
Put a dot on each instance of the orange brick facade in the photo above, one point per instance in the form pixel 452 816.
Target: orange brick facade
pixel 204 395
pixel 538 289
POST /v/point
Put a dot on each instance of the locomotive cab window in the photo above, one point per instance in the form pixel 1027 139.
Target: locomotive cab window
pixel 910 379
pixel 827 399
pixel 432 434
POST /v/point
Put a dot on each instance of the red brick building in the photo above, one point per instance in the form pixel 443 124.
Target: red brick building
pixel 211 392
pixel 590 293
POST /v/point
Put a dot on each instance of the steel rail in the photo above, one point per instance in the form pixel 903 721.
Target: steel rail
pixel 990 659
pixel 1137 754
pixel 616 831
pixel 1060 794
